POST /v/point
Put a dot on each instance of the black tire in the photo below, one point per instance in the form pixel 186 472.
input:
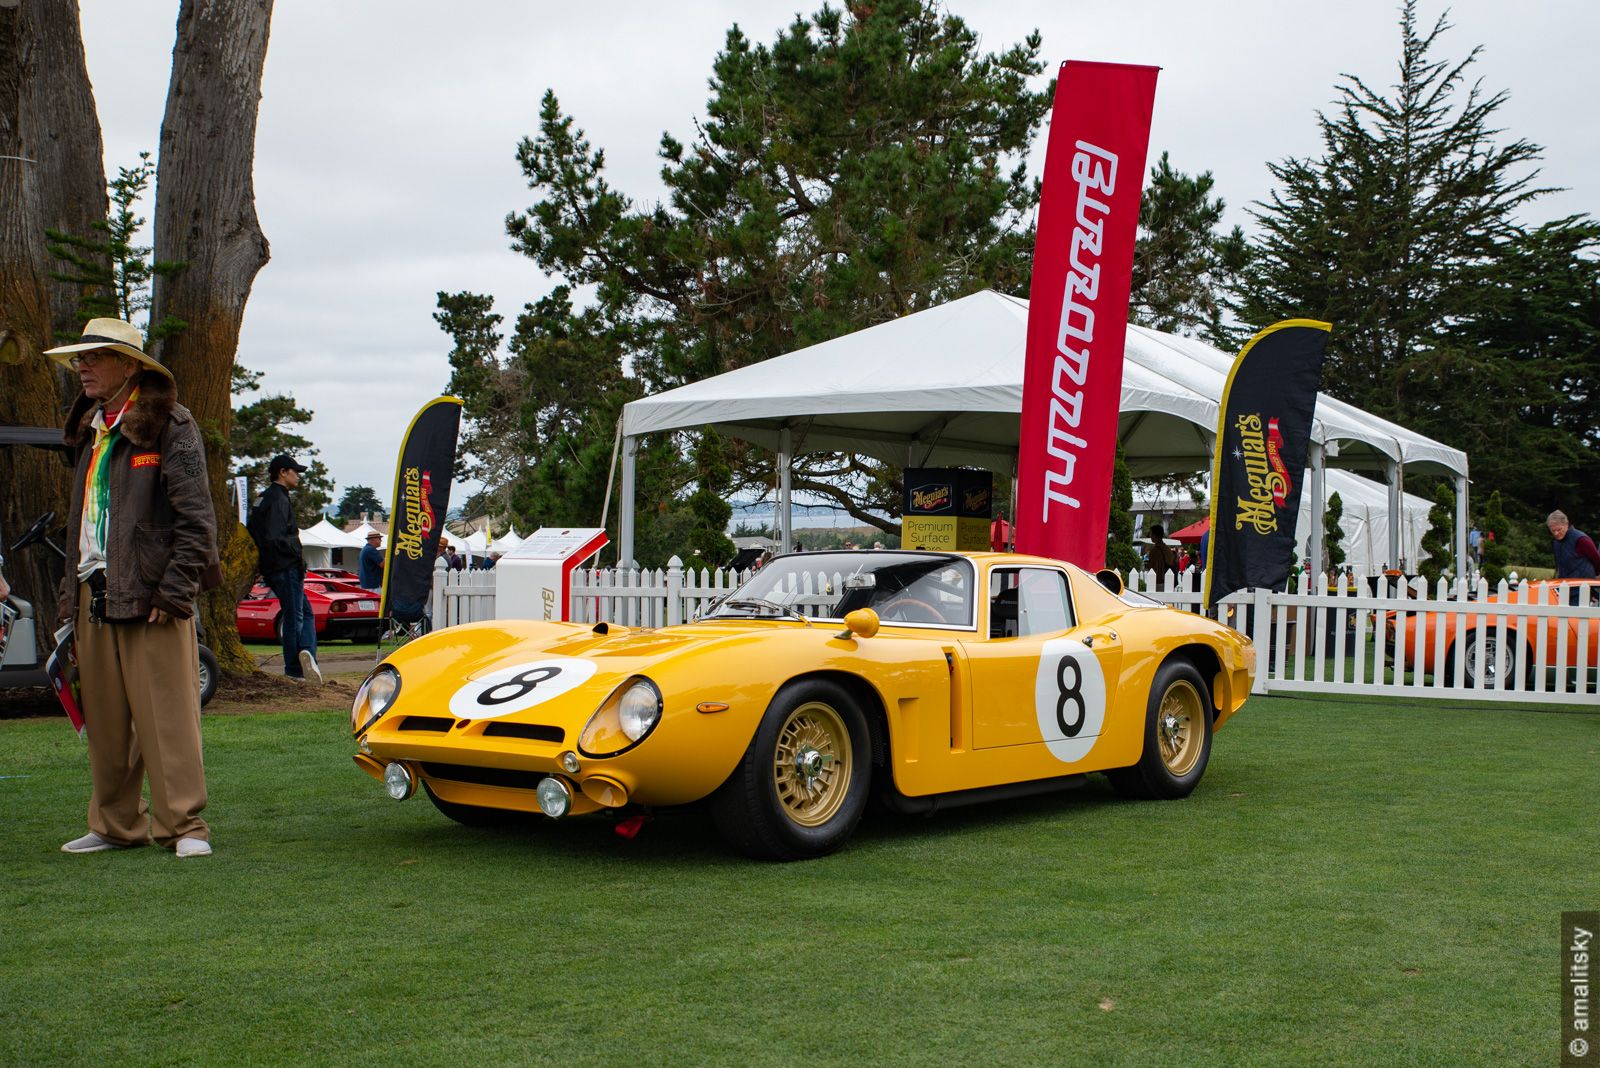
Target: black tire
pixel 210 675
pixel 774 808
pixel 1170 771
pixel 479 816
pixel 277 627
pixel 1490 639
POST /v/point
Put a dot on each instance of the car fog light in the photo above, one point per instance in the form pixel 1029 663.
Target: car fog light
pixel 399 781
pixel 554 797
pixel 569 762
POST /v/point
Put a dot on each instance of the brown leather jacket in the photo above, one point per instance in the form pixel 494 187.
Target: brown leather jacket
pixel 161 536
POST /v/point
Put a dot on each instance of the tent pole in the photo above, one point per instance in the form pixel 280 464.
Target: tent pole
pixel 630 459
pixel 1461 526
pixel 1397 509
pixel 1319 504
pixel 785 511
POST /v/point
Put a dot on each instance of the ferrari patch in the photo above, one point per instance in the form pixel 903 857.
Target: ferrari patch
pixel 146 459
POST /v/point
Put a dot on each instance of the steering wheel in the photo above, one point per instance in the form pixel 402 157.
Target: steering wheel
pixel 35 533
pixel 911 602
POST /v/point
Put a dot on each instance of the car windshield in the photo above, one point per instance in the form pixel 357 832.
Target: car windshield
pixel 907 588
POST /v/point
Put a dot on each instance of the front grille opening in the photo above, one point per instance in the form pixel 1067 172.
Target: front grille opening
pixel 538 732
pixel 467 773
pixel 427 723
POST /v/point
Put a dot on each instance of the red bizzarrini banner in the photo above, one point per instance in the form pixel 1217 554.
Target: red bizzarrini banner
pixel 1078 308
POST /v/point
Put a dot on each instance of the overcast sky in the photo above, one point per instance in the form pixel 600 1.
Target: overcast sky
pixel 385 158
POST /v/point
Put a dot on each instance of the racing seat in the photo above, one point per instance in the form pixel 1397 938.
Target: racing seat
pixel 1003 614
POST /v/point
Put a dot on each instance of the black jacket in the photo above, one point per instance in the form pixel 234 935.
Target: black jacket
pixel 276 536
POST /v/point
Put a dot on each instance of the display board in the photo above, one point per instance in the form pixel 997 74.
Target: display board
pixel 534 580
pixel 946 508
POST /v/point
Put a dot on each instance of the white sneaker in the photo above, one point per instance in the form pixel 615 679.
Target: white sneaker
pixel 193 847
pixel 308 665
pixel 89 843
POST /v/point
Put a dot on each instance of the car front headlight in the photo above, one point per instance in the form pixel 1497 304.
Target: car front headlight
pixel 376 696
pixel 623 719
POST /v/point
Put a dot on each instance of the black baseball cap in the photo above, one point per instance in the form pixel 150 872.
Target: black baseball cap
pixel 284 462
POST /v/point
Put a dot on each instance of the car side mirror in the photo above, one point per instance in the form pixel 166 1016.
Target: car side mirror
pixel 862 623
pixel 1110 580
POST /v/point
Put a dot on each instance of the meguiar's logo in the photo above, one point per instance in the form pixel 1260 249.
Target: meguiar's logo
pixel 929 498
pixel 418 518
pixel 1261 449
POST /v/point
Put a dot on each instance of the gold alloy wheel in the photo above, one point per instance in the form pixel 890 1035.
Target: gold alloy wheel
pixel 812 765
pixel 1180 731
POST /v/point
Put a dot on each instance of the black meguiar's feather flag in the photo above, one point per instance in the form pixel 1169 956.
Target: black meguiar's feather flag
pixel 421 500
pixel 1263 435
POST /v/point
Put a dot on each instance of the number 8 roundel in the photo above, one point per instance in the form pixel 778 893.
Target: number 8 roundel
pixel 1069 697
pixel 519 687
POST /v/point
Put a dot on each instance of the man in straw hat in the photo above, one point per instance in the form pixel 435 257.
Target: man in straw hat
pixel 141 543
pixel 372 562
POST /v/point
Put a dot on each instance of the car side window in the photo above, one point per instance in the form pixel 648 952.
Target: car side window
pixel 1028 600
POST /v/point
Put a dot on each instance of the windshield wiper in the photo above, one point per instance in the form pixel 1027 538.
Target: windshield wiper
pixel 761 602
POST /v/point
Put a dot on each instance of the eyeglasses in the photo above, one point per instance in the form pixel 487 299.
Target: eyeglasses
pixel 90 359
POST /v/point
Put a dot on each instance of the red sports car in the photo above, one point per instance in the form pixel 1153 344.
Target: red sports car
pixel 341 611
pixel 334 574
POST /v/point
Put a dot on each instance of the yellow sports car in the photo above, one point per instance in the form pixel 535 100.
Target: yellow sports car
pixel 934 679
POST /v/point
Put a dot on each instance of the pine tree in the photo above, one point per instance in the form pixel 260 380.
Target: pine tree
pixel 1333 533
pixel 261 430
pixel 864 166
pixel 1181 265
pixel 1121 556
pixel 1386 233
pixel 1496 539
pixel 709 504
pixel 112 270
pixel 1438 544
pixel 358 500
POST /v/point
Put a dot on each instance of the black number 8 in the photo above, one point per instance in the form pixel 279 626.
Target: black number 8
pixel 519 684
pixel 1073 693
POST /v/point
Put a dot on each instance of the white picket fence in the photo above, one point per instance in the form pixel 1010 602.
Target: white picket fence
pixel 1319 639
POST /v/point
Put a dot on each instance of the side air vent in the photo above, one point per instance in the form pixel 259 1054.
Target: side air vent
pixel 519 780
pixel 427 723
pixel 537 732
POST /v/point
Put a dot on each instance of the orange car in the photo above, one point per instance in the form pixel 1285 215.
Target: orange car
pixel 1512 630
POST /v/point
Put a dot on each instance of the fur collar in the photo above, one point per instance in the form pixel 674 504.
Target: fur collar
pixel 143 423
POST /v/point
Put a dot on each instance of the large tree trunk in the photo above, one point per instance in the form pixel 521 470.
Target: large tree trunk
pixel 206 219
pixel 51 175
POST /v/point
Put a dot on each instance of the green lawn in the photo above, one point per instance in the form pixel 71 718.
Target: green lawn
pixel 1352 883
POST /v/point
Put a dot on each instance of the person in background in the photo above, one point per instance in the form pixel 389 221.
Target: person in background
pixel 1576 555
pixel 283 566
pixel 141 545
pixel 999 533
pixel 371 563
pixel 1161 559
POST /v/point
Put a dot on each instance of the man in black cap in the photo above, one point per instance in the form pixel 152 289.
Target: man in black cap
pixel 283 565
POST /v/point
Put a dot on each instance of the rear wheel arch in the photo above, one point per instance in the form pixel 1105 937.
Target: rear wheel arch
pixel 1206 662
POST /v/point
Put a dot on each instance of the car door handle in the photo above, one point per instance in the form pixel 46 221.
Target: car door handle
pixel 1108 638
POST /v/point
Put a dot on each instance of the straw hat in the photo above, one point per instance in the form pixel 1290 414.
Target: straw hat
pixel 113 334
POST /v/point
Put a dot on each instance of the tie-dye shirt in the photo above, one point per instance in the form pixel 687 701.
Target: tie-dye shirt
pixel 97 490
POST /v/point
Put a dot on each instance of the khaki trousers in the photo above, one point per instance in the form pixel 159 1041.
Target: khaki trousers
pixel 141 705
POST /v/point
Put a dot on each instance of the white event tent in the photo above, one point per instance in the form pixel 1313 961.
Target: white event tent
pixel 944 387
pixel 319 541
